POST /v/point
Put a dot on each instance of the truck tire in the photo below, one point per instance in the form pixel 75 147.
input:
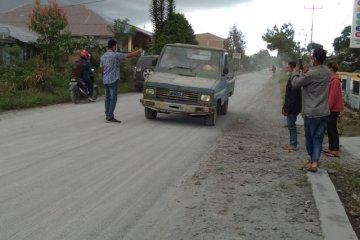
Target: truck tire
pixel 224 108
pixel 210 119
pixel 150 114
pixel 146 73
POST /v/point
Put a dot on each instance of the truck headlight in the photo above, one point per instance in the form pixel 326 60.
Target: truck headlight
pixel 205 98
pixel 149 91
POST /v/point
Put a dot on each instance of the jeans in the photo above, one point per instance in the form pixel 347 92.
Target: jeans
pixel 111 91
pixel 332 132
pixel 314 136
pixel 291 123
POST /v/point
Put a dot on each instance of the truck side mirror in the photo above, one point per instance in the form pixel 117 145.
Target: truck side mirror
pixel 226 68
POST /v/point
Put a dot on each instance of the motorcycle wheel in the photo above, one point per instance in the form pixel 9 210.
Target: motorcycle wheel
pixel 75 95
pixel 95 94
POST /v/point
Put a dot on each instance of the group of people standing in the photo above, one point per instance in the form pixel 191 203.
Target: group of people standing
pixel 316 94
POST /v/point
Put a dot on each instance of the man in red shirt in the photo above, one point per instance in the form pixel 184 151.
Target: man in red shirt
pixel 336 105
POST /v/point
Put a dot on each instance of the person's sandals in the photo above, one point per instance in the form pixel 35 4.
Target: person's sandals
pixel 332 154
pixel 113 120
pixel 326 150
pixel 288 147
pixel 308 165
pixel 314 167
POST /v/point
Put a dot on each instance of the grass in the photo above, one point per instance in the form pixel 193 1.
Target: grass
pixel 34 98
pixel 349 175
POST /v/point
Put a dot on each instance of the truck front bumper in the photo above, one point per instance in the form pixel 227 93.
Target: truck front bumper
pixel 169 107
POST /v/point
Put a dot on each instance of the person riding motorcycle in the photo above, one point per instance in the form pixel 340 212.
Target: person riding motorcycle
pixel 273 69
pixel 86 73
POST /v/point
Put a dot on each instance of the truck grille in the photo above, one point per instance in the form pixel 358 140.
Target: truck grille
pixel 176 95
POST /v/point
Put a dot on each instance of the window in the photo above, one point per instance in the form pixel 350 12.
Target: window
pixel 343 84
pixel 356 87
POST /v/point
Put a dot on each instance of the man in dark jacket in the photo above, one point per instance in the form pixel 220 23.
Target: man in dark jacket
pixel 291 108
pixel 85 73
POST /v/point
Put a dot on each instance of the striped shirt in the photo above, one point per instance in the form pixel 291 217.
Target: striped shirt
pixel 110 63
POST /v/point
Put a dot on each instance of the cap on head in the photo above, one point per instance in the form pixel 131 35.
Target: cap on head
pixel 84 54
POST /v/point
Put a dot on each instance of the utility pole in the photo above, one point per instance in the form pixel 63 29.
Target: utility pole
pixel 312 23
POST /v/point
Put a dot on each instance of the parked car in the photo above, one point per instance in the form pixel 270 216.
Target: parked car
pixel 143 70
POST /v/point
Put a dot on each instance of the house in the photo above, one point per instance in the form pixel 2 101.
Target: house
pixel 209 40
pixel 82 22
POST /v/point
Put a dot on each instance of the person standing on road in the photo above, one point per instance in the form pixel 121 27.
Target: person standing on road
pixel 315 106
pixel 110 74
pixel 291 108
pixel 336 105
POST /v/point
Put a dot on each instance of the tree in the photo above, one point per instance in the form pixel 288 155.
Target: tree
pixel 235 42
pixel 158 14
pixel 122 30
pixel 169 26
pixel 281 40
pixel 311 46
pixel 343 41
pixel 263 59
pixel 348 58
pixel 49 21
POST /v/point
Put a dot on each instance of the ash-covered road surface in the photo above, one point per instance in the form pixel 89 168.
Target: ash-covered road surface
pixel 65 174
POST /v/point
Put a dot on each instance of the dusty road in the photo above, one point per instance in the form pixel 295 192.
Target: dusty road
pixel 65 174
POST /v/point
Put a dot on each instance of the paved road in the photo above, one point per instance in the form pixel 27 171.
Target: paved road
pixel 66 174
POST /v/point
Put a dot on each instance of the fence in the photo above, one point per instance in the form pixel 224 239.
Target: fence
pixel 350 87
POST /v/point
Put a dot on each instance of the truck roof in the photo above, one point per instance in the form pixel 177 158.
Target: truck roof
pixel 194 46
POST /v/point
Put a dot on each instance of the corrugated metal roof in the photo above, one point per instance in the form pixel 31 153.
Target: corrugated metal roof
pixel 20 33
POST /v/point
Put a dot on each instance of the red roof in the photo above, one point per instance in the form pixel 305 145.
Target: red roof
pixel 81 20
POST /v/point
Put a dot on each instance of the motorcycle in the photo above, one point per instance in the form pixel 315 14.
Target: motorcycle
pixel 79 90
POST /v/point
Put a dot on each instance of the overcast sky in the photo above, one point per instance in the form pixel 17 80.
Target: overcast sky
pixel 252 17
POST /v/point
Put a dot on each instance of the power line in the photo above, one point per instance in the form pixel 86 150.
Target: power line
pixel 84 3
pixel 312 21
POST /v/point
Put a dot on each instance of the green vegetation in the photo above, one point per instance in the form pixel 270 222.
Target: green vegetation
pixel 33 83
pixel 169 26
pixel 350 177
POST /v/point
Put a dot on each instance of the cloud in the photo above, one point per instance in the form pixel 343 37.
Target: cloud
pixel 137 11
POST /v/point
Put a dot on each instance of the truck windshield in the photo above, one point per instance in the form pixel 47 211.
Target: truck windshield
pixel 203 62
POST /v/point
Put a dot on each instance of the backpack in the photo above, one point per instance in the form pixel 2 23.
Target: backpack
pixel 76 69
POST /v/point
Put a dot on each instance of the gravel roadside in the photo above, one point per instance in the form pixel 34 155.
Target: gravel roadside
pixel 248 187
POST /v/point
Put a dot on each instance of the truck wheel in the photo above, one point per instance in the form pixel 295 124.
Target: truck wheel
pixel 146 73
pixel 224 108
pixel 210 119
pixel 150 114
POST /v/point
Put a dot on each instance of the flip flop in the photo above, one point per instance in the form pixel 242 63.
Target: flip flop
pixel 288 147
pixel 326 151
pixel 330 154
pixel 314 167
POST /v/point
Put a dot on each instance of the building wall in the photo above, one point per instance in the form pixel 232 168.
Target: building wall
pixel 210 40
